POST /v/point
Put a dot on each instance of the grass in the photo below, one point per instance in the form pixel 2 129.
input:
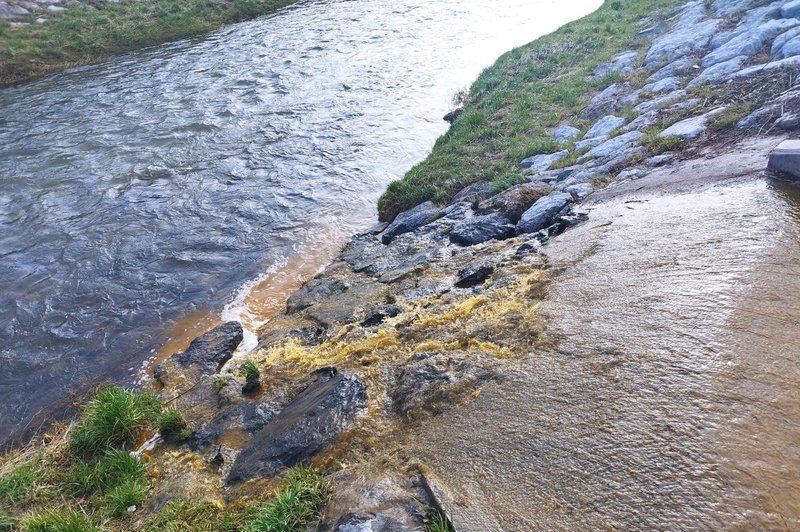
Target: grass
pixel 219 383
pixel 250 370
pixel 295 506
pixel 513 105
pixel 88 467
pixel 179 516
pixel 437 522
pixel 171 423
pixel 657 144
pixel 730 116
pixel 114 418
pixel 83 35
pixel 67 520
pixel 16 487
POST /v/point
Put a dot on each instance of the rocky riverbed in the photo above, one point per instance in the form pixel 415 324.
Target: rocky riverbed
pixel 606 344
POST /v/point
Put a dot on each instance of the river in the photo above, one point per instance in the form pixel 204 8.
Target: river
pixel 143 199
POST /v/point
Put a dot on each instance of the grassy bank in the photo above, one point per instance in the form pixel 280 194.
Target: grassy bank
pixel 513 105
pixel 83 35
pixel 86 479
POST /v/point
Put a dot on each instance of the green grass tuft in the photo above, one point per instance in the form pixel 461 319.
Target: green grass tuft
pixel 249 370
pixel 180 516
pixel 219 383
pixel 17 486
pixel 295 506
pixel 114 418
pixel 129 493
pixel 67 520
pixel 171 423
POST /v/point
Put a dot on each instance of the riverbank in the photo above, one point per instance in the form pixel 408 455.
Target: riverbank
pixel 39 39
pixel 576 348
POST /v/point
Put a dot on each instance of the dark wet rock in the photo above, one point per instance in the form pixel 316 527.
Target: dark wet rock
pixel 251 386
pixel 604 126
pixel 430 379
pixel 313 291
pixel 380 314
pixel 612 147
pixel 785 159
pixel 623 64
pixel 513 202
pixel 312 334
pixel 248 417
pixel 452 115
pixel 457 211
pixel 474 276
pixel 373 502
pixel 543 161
pixel 565 133
pixel 206 354
pixel 307 425
pixel 542 213
pixel 481 229
pixel 410 220
pixel 376 229
pixel 479 190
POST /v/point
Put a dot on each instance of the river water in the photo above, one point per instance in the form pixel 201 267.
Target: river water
pixel 145 198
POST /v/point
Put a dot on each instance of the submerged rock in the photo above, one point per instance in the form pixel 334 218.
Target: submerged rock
pixel 474 276
pixel 380 314
pixel 543 212
pixel 206 354
pixel 481 229
pixel 304 427
pixel 431 378
pixel 410 220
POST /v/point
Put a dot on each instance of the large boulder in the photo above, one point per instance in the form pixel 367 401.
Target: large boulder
pixel 613 98
pixel 303 428
pixel 624 63
pixel 543 212
pixel 479 190
pixel 205 355
pixel 565 133
pixel 410 220
pixel 513 202
pixel 481 229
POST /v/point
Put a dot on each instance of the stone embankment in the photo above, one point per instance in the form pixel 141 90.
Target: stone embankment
pixel 418 314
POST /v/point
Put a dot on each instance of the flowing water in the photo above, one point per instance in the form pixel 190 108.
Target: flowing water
pixel 203 179
pixel 672 399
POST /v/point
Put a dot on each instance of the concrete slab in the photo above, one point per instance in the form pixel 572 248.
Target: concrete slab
pixel 785 158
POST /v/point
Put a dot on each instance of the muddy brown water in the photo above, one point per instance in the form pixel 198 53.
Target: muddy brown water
pixel 672 401
pixel 141 199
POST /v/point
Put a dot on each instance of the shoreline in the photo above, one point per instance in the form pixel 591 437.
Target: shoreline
pixel 87 34
pixel 392 369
